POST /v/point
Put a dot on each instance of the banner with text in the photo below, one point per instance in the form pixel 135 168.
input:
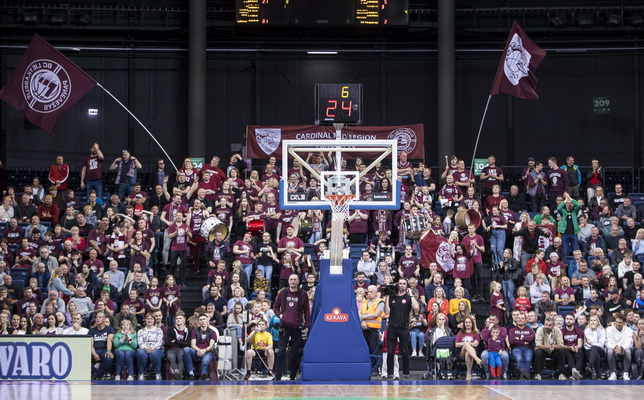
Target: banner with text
pixel 264 141
pixel 46 357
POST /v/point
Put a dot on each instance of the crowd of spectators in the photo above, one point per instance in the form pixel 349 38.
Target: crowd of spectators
pixel 561 254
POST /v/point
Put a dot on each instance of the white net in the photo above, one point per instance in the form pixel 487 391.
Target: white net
pixel 340 206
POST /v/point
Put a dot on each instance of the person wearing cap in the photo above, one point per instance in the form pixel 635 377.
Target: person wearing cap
pixel 126 170
pixel 136 193
pixel 615 304
pixel 48 211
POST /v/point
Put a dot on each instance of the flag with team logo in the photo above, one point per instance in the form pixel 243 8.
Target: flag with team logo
pixel 515 74
pixel 45 85
pixel 435 248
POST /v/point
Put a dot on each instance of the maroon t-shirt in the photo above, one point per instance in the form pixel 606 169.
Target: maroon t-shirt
pixel 557 180
pixel 476 257
pixel 565 295
pixel 285 220
pixel 138 257
pixel 224 214
pixel 462 176
pixel 153 296
pixel 244 259
pixel 286 270
pixel 271 209
pixel 136 305
pixel 570 337
pixel 461 267
pixel 170 293
pixel 98 238
pixel 203 337
pixel 294 242
pixel 29 252
pixel 180 242
pixel 93 168
pixel 171 211
pixel 95 265
pixel 210 185
pixel 14 236
pixel 359 225
pixel 408 265
pixel 491 171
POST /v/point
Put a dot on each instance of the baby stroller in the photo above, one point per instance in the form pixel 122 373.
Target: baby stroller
pixel 440 358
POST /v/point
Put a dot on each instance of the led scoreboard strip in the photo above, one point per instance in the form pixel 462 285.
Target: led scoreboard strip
pixel 323 12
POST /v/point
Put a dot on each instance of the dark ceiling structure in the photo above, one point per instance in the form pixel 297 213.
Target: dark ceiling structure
pixel 479 24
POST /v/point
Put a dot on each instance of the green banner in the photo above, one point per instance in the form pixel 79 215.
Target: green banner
pixel 197 162
pixel 479 164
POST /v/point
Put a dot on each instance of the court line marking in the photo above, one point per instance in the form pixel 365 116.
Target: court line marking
pixel 176 393
pixel 498 392
pixel 410 390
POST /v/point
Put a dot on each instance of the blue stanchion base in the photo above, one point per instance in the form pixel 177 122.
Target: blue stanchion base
pixel 336 371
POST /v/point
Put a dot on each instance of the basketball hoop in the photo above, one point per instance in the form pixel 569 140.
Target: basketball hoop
pixel 340 205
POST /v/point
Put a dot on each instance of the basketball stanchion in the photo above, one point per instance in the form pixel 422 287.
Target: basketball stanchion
pixel 336 349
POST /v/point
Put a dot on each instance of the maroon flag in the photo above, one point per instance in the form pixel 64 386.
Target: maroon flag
pixel 435 248
pixel 45 84
pixel 515 75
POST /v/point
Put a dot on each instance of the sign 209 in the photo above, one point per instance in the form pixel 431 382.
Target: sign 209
pixel 601 105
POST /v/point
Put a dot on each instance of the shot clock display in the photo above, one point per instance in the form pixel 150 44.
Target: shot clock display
pixel 338 103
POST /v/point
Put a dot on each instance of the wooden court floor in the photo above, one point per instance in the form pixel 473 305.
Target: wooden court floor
pixel 24 390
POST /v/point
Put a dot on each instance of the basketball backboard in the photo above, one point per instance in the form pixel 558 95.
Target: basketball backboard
pixel 333 178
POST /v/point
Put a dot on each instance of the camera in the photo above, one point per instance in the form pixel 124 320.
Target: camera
pixel 389 288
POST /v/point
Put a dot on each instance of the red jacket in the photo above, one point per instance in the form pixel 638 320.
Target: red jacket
pixel 61 175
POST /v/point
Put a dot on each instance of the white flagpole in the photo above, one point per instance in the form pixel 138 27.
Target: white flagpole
pixel 479 134
pixel 146 129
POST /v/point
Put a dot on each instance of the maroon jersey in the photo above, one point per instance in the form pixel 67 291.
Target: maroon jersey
pixel 450 192
pixel 196 219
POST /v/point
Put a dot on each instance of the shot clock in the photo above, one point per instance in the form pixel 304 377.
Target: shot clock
pixel 338 103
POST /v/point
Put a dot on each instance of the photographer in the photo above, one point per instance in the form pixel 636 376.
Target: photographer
pixel 398 305
pixel 292 308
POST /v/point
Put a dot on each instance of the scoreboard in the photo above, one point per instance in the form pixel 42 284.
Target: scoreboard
pixel 323 12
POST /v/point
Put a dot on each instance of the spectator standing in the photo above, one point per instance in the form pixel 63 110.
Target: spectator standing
pixel 92 172
pixel 126 170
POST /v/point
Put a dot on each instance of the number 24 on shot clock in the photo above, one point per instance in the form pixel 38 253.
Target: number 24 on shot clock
pixel 338 103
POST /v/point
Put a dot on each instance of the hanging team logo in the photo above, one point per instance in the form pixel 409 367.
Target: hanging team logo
pixel 268 139
pixel 46 86
pixel 517 60
pixel 406 139
pixel 336 315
